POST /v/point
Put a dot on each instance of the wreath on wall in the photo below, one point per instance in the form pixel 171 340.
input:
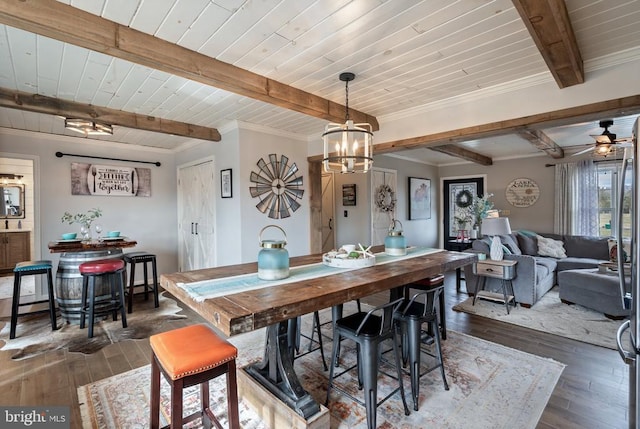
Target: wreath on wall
pixel 464 199
pixel 385 198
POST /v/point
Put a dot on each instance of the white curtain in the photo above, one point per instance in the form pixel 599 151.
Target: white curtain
pixel 576 199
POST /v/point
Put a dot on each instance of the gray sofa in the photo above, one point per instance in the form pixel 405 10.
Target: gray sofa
pixel 535 274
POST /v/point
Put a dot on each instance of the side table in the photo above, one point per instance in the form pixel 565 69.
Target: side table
pixel 503 270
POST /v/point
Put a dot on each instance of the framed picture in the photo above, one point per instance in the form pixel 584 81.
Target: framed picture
pixel 419 198
pixel 225 183
pixel 349 195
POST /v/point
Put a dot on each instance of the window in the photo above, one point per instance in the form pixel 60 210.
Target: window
pixel 608 195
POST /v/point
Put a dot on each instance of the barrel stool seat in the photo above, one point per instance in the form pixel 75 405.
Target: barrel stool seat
pixel 133 258
pixel 113 271
pixel 187 357
pixel 29 268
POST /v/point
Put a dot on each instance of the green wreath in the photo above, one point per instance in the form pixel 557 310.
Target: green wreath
pixel 464 199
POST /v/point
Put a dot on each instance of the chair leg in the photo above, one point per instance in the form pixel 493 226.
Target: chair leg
pixel 369 363
pixel 92 302
pixel 113 287
pixel 84 306
pixel 232 396
pixel 15 304
pixel 146 281
pixel 413 340
pixel 154 417
pixel 119 279
pixel 316 321
pixel 132 277
pixel 176 402
pixel 154 270
pixel 52 301
pixel 204 403
pixel 439 352
pixel 334 363
pixel 396 352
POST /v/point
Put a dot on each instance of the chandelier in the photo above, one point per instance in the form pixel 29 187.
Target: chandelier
pixel 87 127
pixel 348 147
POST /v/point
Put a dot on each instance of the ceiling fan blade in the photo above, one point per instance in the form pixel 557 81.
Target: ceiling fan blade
pixel 583 151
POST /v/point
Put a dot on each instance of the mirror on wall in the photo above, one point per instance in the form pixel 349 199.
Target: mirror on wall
pixel 12 201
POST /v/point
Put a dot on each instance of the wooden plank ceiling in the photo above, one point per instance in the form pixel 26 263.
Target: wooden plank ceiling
pixel 186 68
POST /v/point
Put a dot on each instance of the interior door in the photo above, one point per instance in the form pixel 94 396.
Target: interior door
pixel 457 195
pixel 380 220
pixel 196 216
pixel 328 213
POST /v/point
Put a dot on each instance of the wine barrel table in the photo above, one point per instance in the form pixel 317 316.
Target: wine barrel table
pixel 68 287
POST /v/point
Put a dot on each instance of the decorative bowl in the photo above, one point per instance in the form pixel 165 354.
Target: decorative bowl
pixel 113 234
pixel 69 236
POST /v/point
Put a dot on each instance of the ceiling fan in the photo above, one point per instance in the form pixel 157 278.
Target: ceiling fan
pixel 605 142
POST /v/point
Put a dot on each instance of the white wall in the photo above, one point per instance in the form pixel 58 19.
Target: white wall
pixel 151 221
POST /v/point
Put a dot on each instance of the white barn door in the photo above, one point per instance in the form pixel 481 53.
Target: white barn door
pixel 380 219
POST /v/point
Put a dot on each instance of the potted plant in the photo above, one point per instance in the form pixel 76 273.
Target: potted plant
pixel 479 209
pixel 84 219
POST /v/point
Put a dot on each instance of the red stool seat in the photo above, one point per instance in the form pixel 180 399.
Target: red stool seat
pixel 101 266
pixel 189 356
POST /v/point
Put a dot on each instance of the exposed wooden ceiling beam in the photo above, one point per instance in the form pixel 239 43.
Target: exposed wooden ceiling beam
pixel 589 112
pixel 68 24
pixel 463 153
pixel 543 142
pixel 71 109
pixel 549 25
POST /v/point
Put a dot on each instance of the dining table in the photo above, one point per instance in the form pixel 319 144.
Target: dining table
pixel 68 284
pixel 235 301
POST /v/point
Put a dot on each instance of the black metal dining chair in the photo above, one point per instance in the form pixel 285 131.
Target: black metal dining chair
pixel 368 330
pixel 410 317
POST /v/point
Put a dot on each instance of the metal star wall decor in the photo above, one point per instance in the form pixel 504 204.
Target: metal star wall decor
pixel 278 187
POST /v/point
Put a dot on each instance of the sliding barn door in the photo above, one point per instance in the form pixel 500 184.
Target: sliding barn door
pixel 380 220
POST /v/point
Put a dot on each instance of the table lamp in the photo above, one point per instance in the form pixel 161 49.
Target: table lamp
pixel 495 227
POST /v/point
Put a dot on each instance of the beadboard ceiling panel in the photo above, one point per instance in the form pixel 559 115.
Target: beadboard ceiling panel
pixel 406 54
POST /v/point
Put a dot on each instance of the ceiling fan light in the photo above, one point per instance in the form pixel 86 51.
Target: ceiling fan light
pixel 87 127
pixel 603 149
pixel 348 147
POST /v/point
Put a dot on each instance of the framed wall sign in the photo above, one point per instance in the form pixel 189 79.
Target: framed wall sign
pixel 110 180
pixel 419 198
pixel 225 183
pixel 522 192
pixel 349 195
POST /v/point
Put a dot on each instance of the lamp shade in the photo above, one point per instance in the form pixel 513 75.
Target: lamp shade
pixel 495 226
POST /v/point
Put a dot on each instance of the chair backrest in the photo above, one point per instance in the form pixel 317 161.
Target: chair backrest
pixel 425 301
pixel 385 313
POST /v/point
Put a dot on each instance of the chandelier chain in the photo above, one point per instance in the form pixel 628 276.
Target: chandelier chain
pixel 346 91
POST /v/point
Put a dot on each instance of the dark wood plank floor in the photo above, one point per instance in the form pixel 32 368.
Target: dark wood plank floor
pixel 591 393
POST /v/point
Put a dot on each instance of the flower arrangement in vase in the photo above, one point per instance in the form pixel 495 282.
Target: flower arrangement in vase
pixel 479 209
pixel 84 219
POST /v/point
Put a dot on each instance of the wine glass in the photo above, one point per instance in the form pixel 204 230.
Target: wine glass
pixel 85 232
pixel 98 230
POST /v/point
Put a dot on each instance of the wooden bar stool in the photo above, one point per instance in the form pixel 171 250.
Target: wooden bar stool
pixel 113 272
pixel 27 269
pixel 133 258
pixel 189 356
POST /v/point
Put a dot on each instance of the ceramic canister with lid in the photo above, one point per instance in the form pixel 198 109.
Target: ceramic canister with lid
pixel 273 258
pixel 395 244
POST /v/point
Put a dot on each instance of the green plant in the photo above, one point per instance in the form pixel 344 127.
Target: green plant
pixel 84 219
pixel 479 209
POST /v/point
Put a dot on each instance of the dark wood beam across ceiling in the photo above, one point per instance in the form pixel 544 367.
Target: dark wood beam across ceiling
pixel 549 25
pixel 62 22
pixel 70 109
pixel 543 142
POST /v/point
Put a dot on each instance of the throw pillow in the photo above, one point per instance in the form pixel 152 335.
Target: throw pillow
pixel 613 249
pixel 511 243
pixel 528 244
pixel 550 247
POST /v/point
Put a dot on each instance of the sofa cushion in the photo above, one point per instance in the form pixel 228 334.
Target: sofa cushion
pixel 544 267
pixel 528 244
pixel 572 263
pixel 586 247
pixel 551 247
pixel 511 243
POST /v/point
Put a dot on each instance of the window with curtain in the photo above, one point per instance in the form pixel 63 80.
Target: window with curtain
pixel 576 199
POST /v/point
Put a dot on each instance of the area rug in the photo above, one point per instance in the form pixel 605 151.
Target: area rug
pixel 34 334
pixel 491 386
pixel 550 315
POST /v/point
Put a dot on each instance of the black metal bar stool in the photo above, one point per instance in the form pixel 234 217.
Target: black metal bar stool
pixel 113 272
pixel 134 258
pixel 427 284
pixel 29 268
pixel 368 331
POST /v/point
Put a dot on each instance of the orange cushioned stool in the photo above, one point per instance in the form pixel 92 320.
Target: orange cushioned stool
pixel 190 356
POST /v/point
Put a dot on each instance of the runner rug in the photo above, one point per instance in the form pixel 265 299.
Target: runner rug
pixel 491 386
pixel 550 315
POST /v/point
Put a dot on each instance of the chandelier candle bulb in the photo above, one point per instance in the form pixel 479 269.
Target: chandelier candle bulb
pixel 273 258
pixel 395 244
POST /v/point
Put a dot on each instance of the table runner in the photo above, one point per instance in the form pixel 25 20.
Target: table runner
pixel 200 291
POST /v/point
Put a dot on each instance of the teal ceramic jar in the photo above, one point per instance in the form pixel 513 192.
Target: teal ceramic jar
pixel 273 258
pixel 395 244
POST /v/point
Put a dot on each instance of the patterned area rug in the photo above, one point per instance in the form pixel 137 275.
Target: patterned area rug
pixel 34 334
pixel 491 386
pixel 550 315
